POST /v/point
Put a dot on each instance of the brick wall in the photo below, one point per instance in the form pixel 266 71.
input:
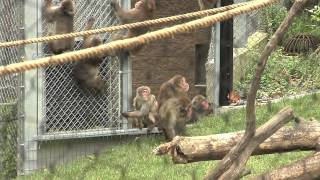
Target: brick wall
pixel 157 62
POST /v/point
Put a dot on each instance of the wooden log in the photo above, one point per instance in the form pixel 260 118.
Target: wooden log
pixel 304 136
pixel 308 168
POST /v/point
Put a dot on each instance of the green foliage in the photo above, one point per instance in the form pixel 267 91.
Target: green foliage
pixel 134 160
pixel 271 18
pixel 284 75
pixel 8 142
pixel 304 24
pixel 307 22
pixel 315 13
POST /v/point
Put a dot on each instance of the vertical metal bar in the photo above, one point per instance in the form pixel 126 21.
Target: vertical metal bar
pixel 20 97
pixel 126 66
pixel 31 12
pixel 216 78
pixel 20 103
pixel 40 75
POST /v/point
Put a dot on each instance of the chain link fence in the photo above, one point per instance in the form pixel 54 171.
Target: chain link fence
pixel 66 106
pixel 10 29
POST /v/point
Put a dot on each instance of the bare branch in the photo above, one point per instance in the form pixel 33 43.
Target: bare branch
pixel 233 162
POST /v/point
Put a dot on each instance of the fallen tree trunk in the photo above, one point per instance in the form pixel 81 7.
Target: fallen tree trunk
pixel 303 136
pixel 308 168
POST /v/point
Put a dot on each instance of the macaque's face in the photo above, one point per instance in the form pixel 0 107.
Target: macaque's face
pixel 205 105
pixel 184 85
pixel 145 93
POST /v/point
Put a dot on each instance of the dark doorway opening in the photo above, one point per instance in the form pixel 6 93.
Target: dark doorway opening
pixel 226 58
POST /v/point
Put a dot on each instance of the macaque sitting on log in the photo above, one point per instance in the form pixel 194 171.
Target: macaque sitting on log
pixel 145 105
pixel 176 112
pixel 62 16
pixel 86 72
pixel 175 87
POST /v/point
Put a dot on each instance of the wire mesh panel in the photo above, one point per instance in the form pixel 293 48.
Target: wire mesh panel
pixel 67 106
pixel 10 24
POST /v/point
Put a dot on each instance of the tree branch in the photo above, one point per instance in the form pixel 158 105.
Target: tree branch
pixel 234 158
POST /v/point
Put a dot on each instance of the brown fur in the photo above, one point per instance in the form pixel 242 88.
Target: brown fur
pixel 86 72
pixel 173 88
pixel 143 10
pixel 176 112
pixel 62 16
pixel 199 108
pixel 173 116
pixel 145 106
pixel 206 4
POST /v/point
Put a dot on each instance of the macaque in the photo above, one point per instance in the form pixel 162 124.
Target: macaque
pixel 143 10
pixel 199 107
pixel 86 72
pixel 207 4
pixel 62 16
pixel 145 105
pixel 176 112
pixel 177 87
pixel 173 116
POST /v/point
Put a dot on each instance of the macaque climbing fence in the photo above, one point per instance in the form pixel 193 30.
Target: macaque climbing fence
pixel 46 104
pixel 66 107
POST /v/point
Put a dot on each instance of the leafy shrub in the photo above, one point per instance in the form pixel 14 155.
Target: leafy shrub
pixel 8 142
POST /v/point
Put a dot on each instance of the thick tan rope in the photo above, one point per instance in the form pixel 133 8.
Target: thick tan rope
pixel 114 46
pixel 120 27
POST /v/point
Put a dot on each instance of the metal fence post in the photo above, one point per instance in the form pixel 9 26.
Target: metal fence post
pixel 126 69
pixel 216 78
pixel 30 146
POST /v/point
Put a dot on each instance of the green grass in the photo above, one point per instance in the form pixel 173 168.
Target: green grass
pixel 135 160
pixel 284 75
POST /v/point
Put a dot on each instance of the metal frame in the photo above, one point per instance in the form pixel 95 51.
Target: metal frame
pixel 126 72
pixel 216 77
pixel 31 111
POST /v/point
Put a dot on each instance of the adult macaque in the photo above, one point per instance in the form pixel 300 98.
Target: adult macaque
pixel 176 112
pixel 177 87
pixel 86 72
pixel 145 105
pixel 62 16
pixel 207 4
pixel 173 116
pixel 143 10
